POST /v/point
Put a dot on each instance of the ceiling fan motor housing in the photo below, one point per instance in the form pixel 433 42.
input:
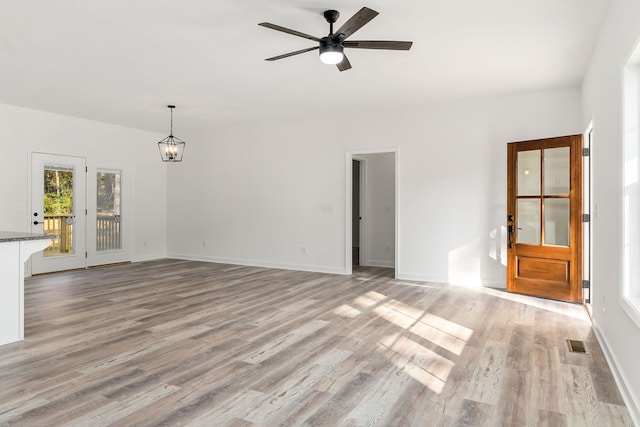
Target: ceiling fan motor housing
pixel 331 15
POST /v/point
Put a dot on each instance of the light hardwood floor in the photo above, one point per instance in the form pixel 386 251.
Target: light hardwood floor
pixel 177 342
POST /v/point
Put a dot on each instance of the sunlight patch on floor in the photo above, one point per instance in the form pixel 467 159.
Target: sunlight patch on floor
pixel 369 299
pixel 575 311
pixel 422 364
pixel 446 334
pixel 447 326
pixel 347 311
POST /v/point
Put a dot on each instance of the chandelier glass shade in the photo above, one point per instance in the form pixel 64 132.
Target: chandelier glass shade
pixel 171 148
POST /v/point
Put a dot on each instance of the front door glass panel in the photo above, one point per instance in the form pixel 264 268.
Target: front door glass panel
pixel 556 222
pixel 556 171
pixel 529 173
pixel 543 192
pixel 529 220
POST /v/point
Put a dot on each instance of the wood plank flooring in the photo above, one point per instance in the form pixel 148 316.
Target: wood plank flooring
pixel 172 342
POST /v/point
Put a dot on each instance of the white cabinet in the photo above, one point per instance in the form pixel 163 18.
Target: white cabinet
pixel 15 250
pixel 10 300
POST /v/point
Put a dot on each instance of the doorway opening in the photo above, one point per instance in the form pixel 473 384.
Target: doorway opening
pixel 371 217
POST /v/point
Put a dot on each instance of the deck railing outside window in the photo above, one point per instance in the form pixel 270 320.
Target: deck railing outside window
pixel 60 225
pixel 108 233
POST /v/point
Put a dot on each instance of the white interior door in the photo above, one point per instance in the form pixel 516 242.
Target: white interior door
pixel 58 206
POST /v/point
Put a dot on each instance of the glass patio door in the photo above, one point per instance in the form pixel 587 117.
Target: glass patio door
pixel 58 207
pixel 110 214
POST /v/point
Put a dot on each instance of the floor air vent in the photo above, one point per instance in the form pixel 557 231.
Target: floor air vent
pixel 576 346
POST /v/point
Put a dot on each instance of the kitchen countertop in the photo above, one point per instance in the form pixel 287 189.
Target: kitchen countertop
pixel 15 236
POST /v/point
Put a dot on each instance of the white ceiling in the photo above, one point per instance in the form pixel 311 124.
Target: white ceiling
pixel 123 61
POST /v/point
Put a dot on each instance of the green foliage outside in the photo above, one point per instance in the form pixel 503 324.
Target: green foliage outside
pixel 58 192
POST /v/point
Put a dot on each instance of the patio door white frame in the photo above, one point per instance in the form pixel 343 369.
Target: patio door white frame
pixel 85 219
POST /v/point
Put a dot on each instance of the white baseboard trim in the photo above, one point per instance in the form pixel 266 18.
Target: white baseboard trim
pixel 148 257
pixel 629 397
pixel 421 278
pixel 259 263
pixel 375 263
pixel 498 284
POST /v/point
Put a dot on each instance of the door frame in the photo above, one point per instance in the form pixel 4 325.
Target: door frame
pixel 125 253
pixel 350 156
pixel 77 209
pixel 361 206
pixel 94 258
pixel 587 227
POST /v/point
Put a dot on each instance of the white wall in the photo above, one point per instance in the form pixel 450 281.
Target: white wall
pixel 259 193
pixel 24 130
pixel 379 209
pixel 602 96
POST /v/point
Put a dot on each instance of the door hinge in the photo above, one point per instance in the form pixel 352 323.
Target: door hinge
pixel 86 255
pixel 86 169
pixel 86 211
pixel 586 218
pixel 586 152
pixel 586 284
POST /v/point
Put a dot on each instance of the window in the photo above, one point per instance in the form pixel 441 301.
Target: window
pixel 108 230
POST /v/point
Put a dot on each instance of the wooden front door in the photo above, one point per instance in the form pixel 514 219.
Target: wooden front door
pixel 544 213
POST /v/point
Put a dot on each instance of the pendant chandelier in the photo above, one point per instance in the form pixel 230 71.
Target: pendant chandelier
pixel 171 148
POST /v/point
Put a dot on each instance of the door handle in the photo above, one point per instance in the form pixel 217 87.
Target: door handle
pixel 36 221
pixel 510 230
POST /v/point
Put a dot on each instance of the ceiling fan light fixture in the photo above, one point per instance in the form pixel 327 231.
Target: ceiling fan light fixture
pixel 331 53
pixel 331 46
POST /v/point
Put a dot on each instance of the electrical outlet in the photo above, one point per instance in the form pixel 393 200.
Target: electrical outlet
pixel 303 250
pixel 204 243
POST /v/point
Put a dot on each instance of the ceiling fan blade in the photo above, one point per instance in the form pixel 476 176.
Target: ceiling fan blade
pixel 297 52
pixel 357 21
pixel 288 31
pixel 378 44
pixel 344 65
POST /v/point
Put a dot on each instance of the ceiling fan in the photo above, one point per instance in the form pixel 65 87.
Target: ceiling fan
pixel 332 46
